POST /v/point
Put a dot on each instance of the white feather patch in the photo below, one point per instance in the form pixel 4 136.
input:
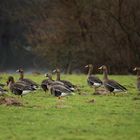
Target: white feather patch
pixel 66 94
pixel 97 84
pixel 72 88
pixel 117 90
pixel 63 94
pixel 26 92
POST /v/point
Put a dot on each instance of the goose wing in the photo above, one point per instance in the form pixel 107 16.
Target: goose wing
pixel 21 86
pixel 68 85
pixel 58 90
pixel 30 82
pixel 93 80
pixel 115 85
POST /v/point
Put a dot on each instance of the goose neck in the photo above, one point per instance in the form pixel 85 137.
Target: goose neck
pixel 21 75
pixel 11 83
pixel 105 73
pixel 90 71
pixel 50 77
pixel 58 76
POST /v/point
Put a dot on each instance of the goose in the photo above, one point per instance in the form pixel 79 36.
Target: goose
pixel 47 83
pixel 137 69
pixel 18 88
pixel 111 85
pixel 93 80
pixel 60 91
pixel 25 80
pixel 67 83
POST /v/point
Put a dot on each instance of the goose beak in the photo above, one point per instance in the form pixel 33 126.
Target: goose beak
pixel 134 69
pixel 54 71
pixel 17 70
pixel 86 66
pixel 100 68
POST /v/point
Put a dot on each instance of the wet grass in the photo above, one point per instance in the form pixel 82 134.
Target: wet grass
pixel 77 117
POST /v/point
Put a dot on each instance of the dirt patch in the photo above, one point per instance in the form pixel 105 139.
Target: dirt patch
pixel 101 92
pixel 83 93
pixel 10 101
pixel 91 101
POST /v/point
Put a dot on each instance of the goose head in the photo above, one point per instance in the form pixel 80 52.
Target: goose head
pixel 136 69
pixel 90 66
pixel 103 67
pixel 20 70
pixel 49 75
pixel 10 80
pixel 56 71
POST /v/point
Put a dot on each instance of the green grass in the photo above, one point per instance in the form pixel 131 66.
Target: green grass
pixel 43 117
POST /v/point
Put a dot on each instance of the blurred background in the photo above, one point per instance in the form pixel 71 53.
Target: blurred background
pixel 44 34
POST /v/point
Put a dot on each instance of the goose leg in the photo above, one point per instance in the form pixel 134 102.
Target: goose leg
pixel 59 103
pixel 95 90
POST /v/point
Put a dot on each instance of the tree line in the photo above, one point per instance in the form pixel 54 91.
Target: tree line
pixel 70 34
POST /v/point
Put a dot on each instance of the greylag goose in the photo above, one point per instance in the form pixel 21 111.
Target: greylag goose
pixel 67 83
pixel 18 88
pixel 93 80
pixel 137 69
pixel 111 85
pixel 60 91
pixel 47 83
pixel 25 80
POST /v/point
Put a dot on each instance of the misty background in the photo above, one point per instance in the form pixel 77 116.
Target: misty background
pixel 45 34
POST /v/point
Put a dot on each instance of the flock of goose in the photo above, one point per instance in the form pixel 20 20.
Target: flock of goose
pixel 60 88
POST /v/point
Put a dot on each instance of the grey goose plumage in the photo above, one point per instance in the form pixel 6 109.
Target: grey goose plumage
pixel 48 83
pixel 137 69
pixel 25 80
pixel 92 80
pixel 18 88
pixel 66 83
pixel 111 85
pixel 60 91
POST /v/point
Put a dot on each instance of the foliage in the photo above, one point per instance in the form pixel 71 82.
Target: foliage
pixel 70 33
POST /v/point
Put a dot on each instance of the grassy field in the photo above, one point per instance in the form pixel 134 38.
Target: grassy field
pixel 43 117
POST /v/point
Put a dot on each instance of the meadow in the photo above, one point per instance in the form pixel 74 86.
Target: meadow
pixel 44 117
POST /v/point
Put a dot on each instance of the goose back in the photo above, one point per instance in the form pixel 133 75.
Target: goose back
pixel 111 85
pixel 66 83
pixel 25 80
pixel 92 80
pixel 18 88
pixel 59 91
pixel 114 86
